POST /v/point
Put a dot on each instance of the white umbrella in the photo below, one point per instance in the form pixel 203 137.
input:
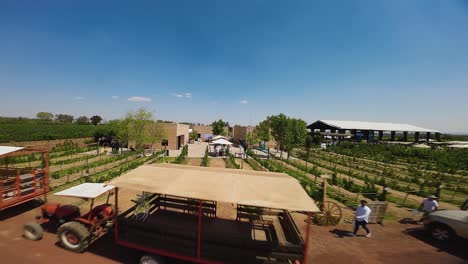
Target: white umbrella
pixel 221 141
pixel 218 137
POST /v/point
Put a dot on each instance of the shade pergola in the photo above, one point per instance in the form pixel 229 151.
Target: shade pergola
pixel 266 189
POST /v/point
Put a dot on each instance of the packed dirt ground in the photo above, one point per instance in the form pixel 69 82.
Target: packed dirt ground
pixel 398 240
pixel 393 242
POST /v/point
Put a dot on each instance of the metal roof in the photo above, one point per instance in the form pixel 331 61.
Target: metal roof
pixel 5 149
pixel 86 190
pixel 359 125
pixel 262 189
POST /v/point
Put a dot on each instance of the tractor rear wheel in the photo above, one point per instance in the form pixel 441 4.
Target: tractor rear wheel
pixel 74 236
pixel 33 231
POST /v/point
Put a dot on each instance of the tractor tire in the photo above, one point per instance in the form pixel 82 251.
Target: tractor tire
pixel 33 231
pixel 74 236
pixel 152 259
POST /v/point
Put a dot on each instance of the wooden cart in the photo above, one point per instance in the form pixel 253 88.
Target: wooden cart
pixel 177 217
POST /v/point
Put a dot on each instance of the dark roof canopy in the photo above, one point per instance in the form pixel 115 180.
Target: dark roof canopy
pixel 358 125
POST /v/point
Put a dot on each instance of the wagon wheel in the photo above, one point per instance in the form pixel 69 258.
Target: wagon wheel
pixel 330 214
pixel 142 207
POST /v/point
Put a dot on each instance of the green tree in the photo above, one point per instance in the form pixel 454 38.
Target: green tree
pixel 82 120
pixel 96 120
pixel 154 133
pixel 218 127
pixel 263 130
pixel 296 134
pixel 279 130
pixel 63 118
pixel 138 122
pixel 287 132
pixel 251 139
pixel 123 130
pixel 193 135
pixel 45 116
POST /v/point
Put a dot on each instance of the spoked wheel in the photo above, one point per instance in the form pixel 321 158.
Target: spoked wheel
pixel 142 207
pixel 330 214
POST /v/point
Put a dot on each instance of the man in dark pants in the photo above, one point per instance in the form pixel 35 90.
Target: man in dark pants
pixel 362 218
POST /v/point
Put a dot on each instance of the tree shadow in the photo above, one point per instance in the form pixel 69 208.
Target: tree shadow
pixel 456 247
pixel 20 209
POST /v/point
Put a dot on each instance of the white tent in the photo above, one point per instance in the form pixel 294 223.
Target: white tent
pixel 218 137
pixel 221 141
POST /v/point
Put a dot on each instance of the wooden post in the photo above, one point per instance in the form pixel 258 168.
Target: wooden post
pixel 357 196
pixel 306 242
pixel 324 187
pixel 116 214
pixel 404 200
pixel 453 193
pixel 200 213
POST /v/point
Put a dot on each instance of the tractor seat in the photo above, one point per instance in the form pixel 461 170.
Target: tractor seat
pixel 100 212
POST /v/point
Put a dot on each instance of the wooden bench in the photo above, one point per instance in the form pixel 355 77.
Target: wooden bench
pixel 187 205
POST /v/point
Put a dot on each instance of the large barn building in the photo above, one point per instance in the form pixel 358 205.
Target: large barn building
pixel 366 130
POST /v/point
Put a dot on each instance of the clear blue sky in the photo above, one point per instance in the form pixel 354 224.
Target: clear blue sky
pixel 393 61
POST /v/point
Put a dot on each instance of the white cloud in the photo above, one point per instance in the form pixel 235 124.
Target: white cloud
pixel 244 101
pixel 79 98
pixel 115 97
pixel 183 95
pixel 139 99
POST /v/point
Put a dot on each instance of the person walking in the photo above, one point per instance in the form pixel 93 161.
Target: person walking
pixel 362 218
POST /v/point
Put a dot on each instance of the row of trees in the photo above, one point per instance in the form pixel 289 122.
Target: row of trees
pixel 67 119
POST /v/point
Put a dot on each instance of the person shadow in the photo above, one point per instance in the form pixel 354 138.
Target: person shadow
pixel 408 221
pixel 340 233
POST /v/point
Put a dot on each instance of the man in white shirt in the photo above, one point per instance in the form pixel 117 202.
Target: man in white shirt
pixel 429 205
pixel 362 218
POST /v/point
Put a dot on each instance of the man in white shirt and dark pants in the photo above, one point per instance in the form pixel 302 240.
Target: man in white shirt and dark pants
pixel 429 205
pixel 362 218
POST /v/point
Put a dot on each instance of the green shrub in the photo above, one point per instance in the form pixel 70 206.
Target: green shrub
pixel 182 156
pixel 205 161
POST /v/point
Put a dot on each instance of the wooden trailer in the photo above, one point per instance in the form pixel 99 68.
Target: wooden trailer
pixel 19 184
pixel 176 215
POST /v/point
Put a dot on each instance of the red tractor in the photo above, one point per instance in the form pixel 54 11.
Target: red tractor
pixel 75 231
